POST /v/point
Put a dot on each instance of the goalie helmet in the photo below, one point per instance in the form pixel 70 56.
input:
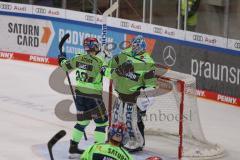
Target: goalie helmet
pixel 91 44
pixel 138 44
pixel 117 131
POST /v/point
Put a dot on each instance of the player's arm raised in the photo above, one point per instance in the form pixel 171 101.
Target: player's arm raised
pixel 69 64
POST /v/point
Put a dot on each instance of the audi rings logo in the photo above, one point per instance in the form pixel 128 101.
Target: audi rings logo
pixel 89 18
pixel 198 38
pixel 6 6
pixel 41 10
pixel 157 30
pixel 169 56
pixel 237 45
pixel 124 24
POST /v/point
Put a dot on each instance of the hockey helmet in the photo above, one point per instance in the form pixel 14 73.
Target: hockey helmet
pixel 91 44
pixel 119 130
pixel 138 44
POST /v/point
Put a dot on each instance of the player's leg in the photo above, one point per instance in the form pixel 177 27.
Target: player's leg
pixel 79 128
pixel 77 134
pixel 100 130
pixel 101 121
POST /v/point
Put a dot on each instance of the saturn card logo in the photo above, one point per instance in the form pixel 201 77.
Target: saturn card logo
pixel 46 35
pixel 28 34
pixel 169 56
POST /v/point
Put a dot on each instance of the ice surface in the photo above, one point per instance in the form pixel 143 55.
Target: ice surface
pixel 27 115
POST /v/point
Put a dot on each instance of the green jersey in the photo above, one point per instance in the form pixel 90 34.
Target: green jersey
pixel 141 74
pixel 102 151
pixel 88 76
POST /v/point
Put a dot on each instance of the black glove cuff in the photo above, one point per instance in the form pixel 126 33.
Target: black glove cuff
pixel 60 59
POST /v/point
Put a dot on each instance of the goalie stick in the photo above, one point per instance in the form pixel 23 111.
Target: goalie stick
pixel 53 141
pixel 65 37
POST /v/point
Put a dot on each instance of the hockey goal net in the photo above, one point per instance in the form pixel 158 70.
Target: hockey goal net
pixel 174 115
pixel 173 121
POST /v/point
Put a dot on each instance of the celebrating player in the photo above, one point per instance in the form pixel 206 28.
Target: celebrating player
pixel 133 70
pixel 111 150
pixel 88 93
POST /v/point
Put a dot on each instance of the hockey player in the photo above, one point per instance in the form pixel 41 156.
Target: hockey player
pixel 88 93
pixel 133 70
pixel 112 150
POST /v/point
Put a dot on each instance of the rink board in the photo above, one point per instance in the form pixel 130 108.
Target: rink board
pixel 60 151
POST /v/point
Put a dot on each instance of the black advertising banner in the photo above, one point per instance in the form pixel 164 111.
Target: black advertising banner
pixel 215 71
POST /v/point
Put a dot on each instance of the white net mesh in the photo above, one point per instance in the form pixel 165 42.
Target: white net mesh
pixel 162 118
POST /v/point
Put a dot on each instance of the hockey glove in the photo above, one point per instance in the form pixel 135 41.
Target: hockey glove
pixel 60 59
pixel 103 70
pixel 107 54
pixel 146 99
pixel 125 68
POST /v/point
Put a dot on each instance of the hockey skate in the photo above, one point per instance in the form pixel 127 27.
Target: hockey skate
pixel 74 151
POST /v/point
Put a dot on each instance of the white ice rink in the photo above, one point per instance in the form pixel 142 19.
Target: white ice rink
pixel 27 113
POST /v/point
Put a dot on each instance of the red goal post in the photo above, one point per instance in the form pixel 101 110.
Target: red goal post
pixel 181 85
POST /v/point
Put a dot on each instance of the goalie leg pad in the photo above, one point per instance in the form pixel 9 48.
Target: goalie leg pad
pixel 136 139
pixel 141 127
pixel 117 111
pixel 128 113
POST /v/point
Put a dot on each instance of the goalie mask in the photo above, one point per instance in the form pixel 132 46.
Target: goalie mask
pixel 138 44
pixel 91 45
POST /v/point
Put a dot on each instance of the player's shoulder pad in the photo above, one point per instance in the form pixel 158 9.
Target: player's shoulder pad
pixel 147 57
pixel 126 51
pixel 100 57
pixel 129 49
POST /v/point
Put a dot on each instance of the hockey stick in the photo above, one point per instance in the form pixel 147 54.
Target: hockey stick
pixel 108 12
pixel 103 45
pixel 65 37
pixel 54 140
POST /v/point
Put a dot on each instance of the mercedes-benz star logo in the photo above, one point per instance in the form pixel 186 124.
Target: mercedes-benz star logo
pixel 169 56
